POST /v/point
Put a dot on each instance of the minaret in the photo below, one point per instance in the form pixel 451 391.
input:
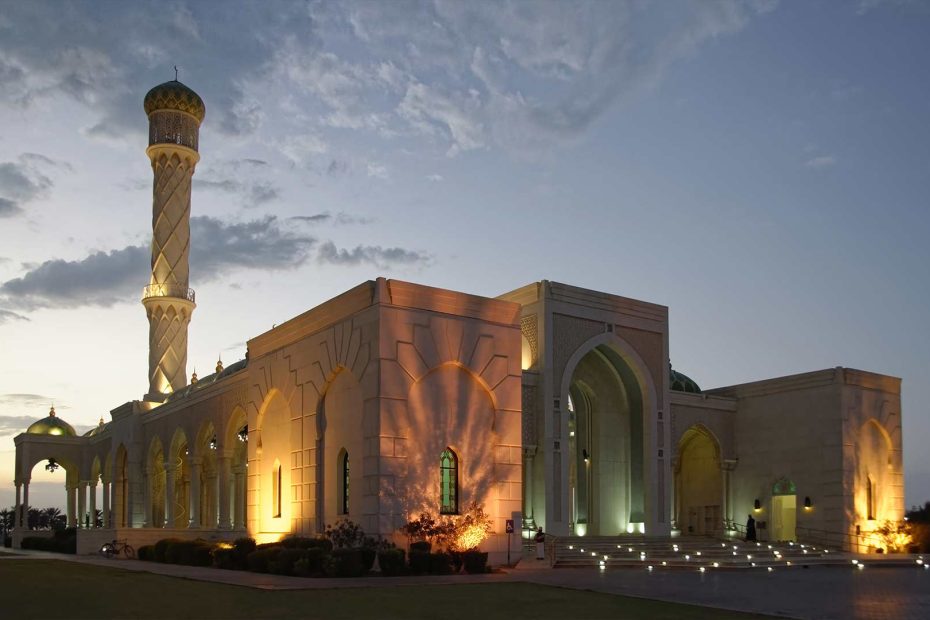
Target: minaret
pixel 175 113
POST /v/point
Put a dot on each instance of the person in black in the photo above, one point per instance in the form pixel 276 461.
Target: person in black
pixel 751 530
pixel 540 544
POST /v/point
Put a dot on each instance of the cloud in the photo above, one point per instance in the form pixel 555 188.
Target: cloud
pixel 15 424
pixel 341 218
pixel 378 171
pixel 25 180
pixel 317 218
pixel 435 178
pixel 822 161
pixel 27 400
pixel 106 278
pixel 7 316
pixel 370 254
pixel 237 177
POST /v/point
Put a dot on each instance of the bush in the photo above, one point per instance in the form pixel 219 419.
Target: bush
pixel 391 562
pixel 259 560
pixel 63 541
pixel 300 542
pixel 475 562
pixel 421 545
pixel 419 562
pixel 312 563
pixel 368 557
pixel 146 553
pixel 225 559
pixel 283 563
pixel 161 547
pixel 440 564
pixel 345 534
pixel 345 563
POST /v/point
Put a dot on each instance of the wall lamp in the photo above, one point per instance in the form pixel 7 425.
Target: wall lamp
pixel 585 455
pixel 807 503
pixel 757 505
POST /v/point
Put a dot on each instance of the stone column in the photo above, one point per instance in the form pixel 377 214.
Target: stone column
pixel 93 503
pixel 82 503
pixel 224 463
pixel 17 514
pixel 105 493
pixel 196 465
pixel 528 512
pixel 148 512
pixel 169 494
pixel 211 496
pixel 114 522
pixel 239 491
pixel 72 506
pixel 727 466
pixel 24 508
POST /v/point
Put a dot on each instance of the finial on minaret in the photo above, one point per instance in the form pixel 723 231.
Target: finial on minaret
pixel 51 411
pixel 175 73
pixel 194 377
pixel 219 364
pixel 101 422
pixel 174 112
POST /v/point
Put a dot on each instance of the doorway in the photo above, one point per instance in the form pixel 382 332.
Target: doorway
pixel 784 517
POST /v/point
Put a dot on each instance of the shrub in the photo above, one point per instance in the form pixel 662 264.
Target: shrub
pixel 346 563
pixel 421 545
pixel 311 563
pixel 419 562
pixel 368 557
pixel 225 559
pixel 283 563
pixel 391 562
pixel 345 534
pixel 173 552
pixel 63 541
pixel 201 553
pixel 146 553
pixel 475 562
pixel 259 560
pixel 161 547
pixel 440 564
pixel 300 542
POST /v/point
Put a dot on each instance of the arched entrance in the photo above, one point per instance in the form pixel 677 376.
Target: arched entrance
pixel 784 510
pixel 605 438
pixel 698 485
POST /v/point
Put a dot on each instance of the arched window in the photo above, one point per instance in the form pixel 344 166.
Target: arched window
pixel 448 482
pixel 276 489
pixel 344 491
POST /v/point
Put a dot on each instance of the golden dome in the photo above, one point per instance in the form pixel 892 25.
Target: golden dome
pixel 174 95
pixel 52 425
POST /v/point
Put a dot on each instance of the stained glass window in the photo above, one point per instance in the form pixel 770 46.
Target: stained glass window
pixel 448 482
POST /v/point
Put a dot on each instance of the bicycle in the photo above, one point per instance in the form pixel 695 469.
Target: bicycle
pixel 116 547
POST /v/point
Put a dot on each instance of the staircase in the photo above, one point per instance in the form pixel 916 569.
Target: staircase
pixel 683 553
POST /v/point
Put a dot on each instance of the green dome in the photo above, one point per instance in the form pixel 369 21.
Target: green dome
pixel 680 382
pixel 174 95
pixel 52 425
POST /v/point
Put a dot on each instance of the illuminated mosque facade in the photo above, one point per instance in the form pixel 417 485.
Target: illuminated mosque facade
pixel 552 405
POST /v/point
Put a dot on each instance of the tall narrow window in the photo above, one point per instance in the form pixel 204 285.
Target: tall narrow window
pixel 448 482
pixel 345 483
pixel 276 489
pixel 870 498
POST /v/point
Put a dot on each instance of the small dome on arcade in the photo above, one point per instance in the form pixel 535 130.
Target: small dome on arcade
pixel 101 426
pixel 52 425
pixel 680 382
pixel 174 95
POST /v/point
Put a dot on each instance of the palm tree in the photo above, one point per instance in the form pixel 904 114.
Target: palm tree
pixel 33 519
pixel 7 519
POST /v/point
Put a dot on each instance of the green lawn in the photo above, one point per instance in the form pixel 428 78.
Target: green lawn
pixel 60 589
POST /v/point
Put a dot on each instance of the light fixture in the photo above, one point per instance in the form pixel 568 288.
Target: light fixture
pixel 585 455
pixel 52 466
pixel 243 434
pixel 807 503
pixel 213 443
pixel 757 505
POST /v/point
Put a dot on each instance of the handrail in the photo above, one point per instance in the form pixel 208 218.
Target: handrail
pixel 823 537
pixel 168 290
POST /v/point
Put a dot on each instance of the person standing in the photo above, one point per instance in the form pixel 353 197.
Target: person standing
pixel 540 544
pixel 751 530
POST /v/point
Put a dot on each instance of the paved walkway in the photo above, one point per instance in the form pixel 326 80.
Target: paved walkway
pixel 827 592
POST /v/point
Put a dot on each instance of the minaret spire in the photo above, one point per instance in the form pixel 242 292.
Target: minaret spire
pixel 175 113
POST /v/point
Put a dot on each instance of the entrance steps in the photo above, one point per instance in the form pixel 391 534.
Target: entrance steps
pixel 684 553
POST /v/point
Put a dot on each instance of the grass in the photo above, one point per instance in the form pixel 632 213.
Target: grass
pixel 60 589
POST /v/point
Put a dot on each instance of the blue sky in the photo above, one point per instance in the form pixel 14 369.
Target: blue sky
pixel 759 167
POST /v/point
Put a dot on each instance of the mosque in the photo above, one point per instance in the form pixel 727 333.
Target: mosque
pixel 552 405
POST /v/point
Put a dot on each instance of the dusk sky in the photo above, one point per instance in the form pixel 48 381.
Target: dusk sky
pixel 761 168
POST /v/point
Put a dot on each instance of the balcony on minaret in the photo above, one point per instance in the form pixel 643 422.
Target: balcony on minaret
pixel 168 290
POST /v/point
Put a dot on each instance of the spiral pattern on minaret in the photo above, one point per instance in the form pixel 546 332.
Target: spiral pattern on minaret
pixel 175 112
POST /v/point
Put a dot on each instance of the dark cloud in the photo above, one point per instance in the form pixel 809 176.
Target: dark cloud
pixel 23 181
pixel 106 278
pixel 340 218
pixel 370 254
pixel 236 177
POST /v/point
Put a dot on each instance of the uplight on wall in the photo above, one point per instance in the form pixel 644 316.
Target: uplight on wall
pixel 757 505
pixel 807 503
